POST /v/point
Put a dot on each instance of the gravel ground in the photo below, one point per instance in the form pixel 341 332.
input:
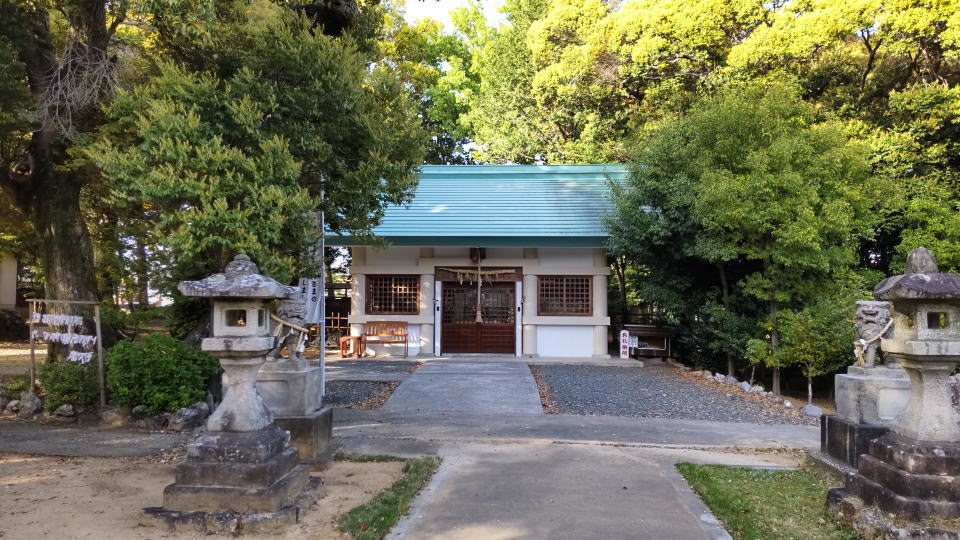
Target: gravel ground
pixel 656 391
pixel 358 394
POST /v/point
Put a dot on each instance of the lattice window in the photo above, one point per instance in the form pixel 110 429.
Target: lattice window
pixel 393 295
pixel 565 295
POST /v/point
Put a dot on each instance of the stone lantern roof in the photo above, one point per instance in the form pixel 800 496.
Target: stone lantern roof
pixel 240 279
pixel 921 280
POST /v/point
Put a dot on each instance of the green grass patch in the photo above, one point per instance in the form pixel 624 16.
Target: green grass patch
pixel 755 503
pixel 373 520
pixel 359 458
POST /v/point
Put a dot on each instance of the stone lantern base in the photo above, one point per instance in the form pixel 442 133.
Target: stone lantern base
pixel 913 480
pixel 869 399
pixel 292 393
pixel 237 483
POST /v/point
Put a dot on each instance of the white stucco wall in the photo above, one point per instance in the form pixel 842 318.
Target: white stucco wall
pixel 566 257
pixel 567 336
pixel 565 341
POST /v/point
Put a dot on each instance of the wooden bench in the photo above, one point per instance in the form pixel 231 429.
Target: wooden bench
pixel 386 332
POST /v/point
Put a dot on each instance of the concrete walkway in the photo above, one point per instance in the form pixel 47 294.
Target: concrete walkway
pixel 511 471
pixel 464 386
pixel 556 492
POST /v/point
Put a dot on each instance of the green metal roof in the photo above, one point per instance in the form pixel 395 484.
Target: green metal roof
pixel 502 205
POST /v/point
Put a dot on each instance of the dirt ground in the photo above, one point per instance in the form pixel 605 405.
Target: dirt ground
pixel 66 497
pixel 15 357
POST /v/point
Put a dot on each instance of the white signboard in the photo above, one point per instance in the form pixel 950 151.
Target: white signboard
pixel 624 344
pixel 313 297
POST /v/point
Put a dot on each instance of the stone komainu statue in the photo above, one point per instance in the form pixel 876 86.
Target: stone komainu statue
pixel 294 311
pixel 873 322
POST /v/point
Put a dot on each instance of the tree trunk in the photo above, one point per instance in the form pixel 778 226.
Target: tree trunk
pixel 66 253
pixel 143 281
pixel 809 390
pixel 725 293
pixel 775 344
pixel 619 268
pixel 65 250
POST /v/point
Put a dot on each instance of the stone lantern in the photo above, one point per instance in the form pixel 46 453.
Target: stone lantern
pixel 243 475
pixel 914 471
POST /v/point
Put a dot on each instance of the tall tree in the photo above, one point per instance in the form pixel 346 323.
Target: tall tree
pixel 434 66
pixel 233 154
pixel 750 179
pixel 66 52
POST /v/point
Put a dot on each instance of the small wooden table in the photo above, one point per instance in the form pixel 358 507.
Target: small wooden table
pixel 348 343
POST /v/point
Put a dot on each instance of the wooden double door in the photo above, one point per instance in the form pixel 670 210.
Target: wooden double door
pixel 461 333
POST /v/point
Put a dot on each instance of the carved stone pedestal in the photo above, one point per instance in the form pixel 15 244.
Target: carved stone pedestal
pixel 844 440
pixel 312 435
pixel 869 399
pixel 872 395
pixel 238 482
pixel 291 389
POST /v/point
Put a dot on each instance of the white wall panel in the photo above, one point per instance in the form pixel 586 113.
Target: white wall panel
pixel 565 341
pixel 393 255
pixel 568 257
pixel 451 252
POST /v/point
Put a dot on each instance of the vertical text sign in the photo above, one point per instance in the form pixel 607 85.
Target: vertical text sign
pixel 624 344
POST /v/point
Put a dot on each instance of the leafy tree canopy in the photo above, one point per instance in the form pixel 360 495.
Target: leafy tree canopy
pixel 235 155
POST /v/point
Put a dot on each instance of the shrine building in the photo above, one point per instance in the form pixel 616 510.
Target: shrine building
pixel 522 244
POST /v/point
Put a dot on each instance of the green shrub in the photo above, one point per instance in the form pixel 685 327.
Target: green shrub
pixel 160 372
pixel 68 383
pixel 12 326
pixel 14 384
pixel 130 325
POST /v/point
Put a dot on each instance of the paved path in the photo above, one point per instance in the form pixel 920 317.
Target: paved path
pixel 369 370
pixel 33 438
pixel 556 492
pixel 466 386
pixel 511 471
pixel 455 427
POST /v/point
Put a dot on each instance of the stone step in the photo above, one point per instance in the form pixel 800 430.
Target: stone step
pixel 917 457
pixel 909 508
pixel 243 447
pixel 283 492
pixel 243 475
pixel 921 486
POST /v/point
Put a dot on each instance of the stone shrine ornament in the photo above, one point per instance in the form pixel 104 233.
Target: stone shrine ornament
pixel 913 471
pixel 873 322
pixel 242 476
pixel 241 339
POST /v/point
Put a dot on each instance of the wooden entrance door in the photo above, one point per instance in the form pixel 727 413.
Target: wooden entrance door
pixel 461 331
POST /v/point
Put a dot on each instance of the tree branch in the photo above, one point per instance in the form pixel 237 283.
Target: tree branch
pixel 120 17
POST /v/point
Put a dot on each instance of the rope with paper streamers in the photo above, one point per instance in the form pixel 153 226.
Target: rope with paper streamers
pixel 65 338
pixel 473 274
pixel 860 345
pixel 292 327
pixel 53 319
